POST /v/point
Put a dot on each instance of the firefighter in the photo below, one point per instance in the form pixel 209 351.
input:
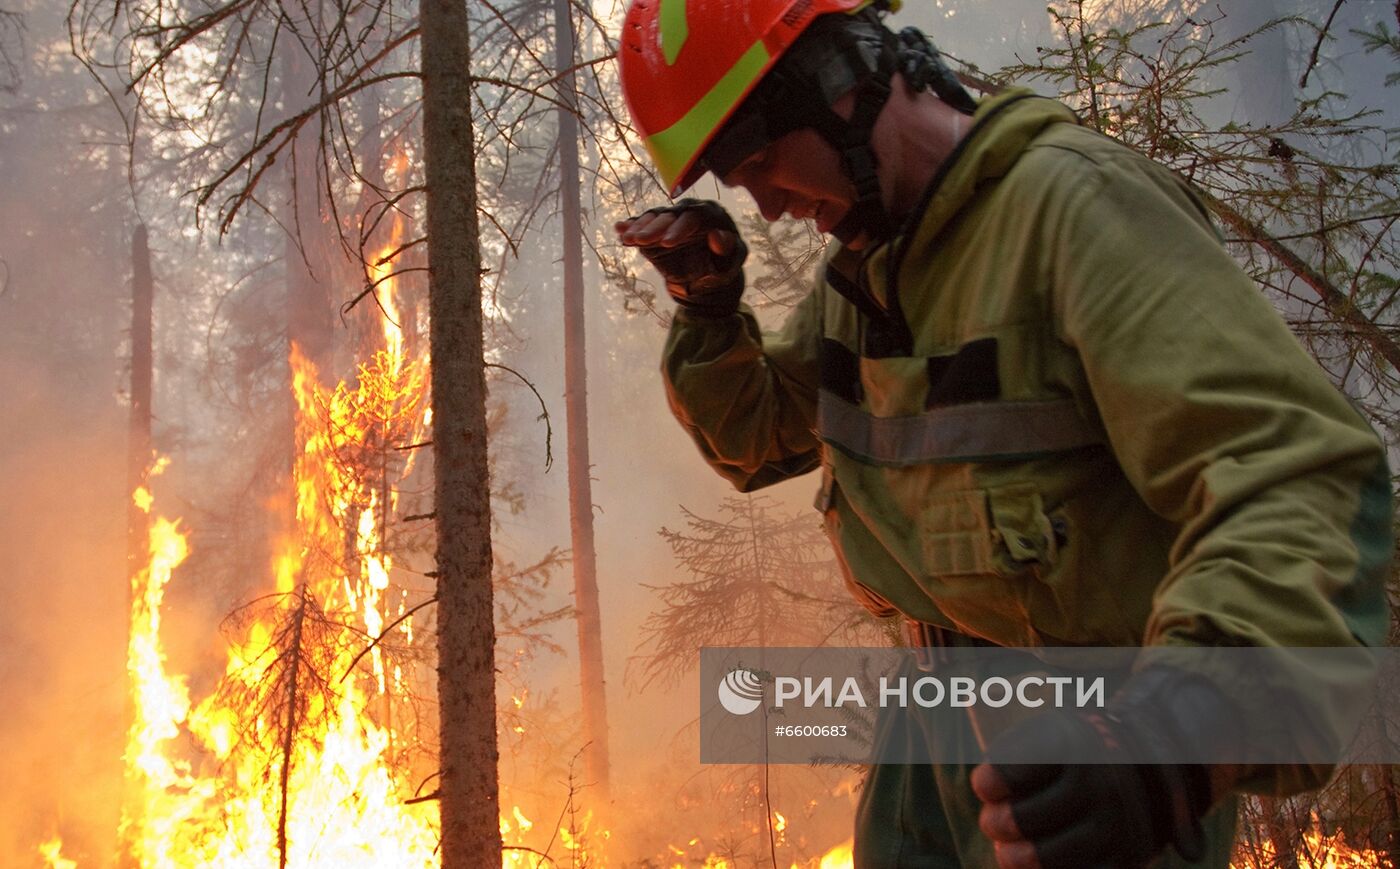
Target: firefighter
pixel 1046 406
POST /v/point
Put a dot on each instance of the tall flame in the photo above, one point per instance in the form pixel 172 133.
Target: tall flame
pixel 381 270
pixel 303 756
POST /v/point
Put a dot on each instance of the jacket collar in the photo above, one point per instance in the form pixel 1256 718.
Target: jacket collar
pixel 1003 127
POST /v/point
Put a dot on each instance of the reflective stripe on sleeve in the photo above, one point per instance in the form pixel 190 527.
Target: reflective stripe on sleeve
pixel 963 432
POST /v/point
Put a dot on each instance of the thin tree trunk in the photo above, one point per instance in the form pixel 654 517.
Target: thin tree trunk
pixel 306 305
pixel 138 454
pixel 138 465
pixel 761 589
pixel 1279 833
pixel 471 835
pixel 590 626
pixel 310 318
pixel 290 722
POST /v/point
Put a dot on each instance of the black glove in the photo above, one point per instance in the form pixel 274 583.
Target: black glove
pixel 1117 814
pixel 699 280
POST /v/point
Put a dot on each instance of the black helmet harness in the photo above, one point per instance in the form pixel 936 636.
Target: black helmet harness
pixel 837 53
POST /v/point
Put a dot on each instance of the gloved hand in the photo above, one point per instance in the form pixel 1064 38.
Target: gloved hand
pixel 1067 816
pixel 696 247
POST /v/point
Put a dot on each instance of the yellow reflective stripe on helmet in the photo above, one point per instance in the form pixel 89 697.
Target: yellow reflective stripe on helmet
pixel 672 29
pixel 673 148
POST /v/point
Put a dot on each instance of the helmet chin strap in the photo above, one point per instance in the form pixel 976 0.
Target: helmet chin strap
pixel 851 139
pixel 911 54
pixel 864 218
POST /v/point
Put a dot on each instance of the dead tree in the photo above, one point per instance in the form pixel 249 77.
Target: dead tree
pixel 305 211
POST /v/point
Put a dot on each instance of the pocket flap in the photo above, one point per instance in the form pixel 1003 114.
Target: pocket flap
pixel 1019 516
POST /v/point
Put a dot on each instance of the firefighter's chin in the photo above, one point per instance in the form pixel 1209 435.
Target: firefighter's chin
pixel 852 233
pixel 852 238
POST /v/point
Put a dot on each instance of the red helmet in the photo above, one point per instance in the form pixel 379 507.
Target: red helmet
pixel 687 64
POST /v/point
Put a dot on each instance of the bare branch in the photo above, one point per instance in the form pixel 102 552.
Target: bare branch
pixel 544 414
pixel 1317 46
pixel 283 134
pixel 384 633
pixel 370 292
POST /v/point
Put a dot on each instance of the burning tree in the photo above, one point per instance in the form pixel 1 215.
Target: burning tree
pixel 313 720
pixel 332 80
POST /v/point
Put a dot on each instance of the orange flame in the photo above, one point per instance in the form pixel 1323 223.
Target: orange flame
pixel 212 773
pixel 840 857
pixel 381 271
pixel 1318 850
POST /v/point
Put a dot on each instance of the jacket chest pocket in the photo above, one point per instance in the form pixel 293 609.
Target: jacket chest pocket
pixel 986 553
pixel 1002 531
pixel 956 534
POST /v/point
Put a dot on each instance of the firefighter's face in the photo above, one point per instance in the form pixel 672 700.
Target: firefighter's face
pixel 799 175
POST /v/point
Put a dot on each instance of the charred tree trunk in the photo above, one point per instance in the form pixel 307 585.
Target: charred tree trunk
pixel 138 466
pixel 590 629
pixel 1282 833
pixel 471 835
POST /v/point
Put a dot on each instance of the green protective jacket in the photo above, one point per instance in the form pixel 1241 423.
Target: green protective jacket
pixel 1053 410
